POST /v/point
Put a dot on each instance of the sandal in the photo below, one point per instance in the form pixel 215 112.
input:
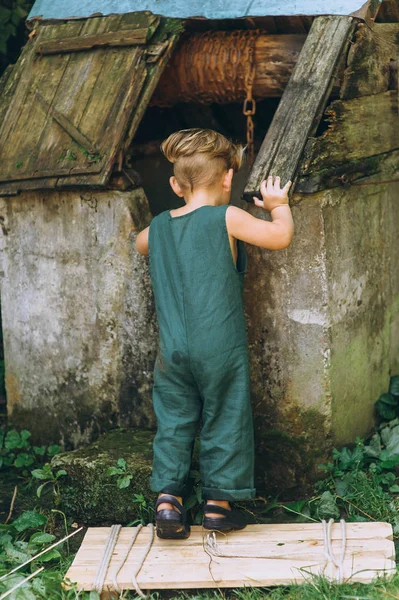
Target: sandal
pixel 232 519
pixel 171 525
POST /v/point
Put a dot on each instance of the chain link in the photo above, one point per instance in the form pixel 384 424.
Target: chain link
pixel 249 106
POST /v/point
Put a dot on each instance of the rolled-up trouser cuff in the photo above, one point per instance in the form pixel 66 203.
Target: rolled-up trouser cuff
pixel 230 495
pixel 169 487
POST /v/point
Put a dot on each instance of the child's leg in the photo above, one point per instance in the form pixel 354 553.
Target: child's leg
pixel 227 444
pixel 177 406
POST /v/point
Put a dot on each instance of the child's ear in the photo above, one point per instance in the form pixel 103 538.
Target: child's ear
pixel 227 180
pixel 176 187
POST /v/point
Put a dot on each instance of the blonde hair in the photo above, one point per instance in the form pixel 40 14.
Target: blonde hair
pixel 200 156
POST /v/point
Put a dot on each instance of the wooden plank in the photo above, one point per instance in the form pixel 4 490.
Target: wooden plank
pixel 302 103
pixel 106 118
pixel 88 42
pixel 66 124
pixel 71 98
pixel 260 555
pixel 153 75
pixel 372 169
pixel 25 119
pixel 368 68
pixel 358 128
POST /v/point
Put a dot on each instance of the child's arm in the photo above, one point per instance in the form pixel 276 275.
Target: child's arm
pixel 274 235
pixel 142 241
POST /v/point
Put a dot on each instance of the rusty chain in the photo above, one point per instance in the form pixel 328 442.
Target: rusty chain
pixel 249 106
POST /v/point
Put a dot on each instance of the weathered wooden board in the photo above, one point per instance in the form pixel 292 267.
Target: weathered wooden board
pixel 358 128
pixel 260 555
pixel 87 42
pixel 368 70
pixel 303 101
pixel 379 169
pixel 66 115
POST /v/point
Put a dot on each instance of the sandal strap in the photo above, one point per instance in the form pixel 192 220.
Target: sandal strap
pixel 165 498
pixel 214 508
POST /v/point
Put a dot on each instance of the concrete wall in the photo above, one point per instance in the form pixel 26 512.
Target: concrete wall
pixel 323 328
pixel 322 315
pixel 78 317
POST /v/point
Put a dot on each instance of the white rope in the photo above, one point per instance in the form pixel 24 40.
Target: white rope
pixel 102 568
pixel 115 574
pixel 328 551
pixel 212 547
pixel 105 560
pixel 145 554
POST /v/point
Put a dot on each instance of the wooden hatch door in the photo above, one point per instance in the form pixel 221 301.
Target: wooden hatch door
pixel 68 105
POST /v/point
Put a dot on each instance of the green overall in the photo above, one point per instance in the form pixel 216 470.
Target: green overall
pixel 201 372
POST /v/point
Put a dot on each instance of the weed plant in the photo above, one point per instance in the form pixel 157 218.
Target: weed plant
pixel 361 483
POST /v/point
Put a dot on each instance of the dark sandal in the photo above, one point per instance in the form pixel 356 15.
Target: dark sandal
pixel 233 519
pixel 171 525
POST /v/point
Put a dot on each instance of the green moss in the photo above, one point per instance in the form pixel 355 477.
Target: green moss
pixel 89 494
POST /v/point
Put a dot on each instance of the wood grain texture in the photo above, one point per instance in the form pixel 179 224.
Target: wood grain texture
pixel 368 69
pixel 65 115
pixel 358 128
pixel 303 101
pixel 80 43
pixel 275 57
pixel 371 169
pixel 260 555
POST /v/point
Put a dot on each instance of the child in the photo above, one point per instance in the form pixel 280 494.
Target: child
pixel 197 264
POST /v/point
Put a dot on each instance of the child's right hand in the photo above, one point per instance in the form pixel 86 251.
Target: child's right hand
pixel 272 194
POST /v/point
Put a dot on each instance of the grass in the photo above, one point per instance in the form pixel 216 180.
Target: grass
pixel 361 484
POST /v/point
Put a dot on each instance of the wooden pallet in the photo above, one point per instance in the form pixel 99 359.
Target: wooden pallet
pixel 269 555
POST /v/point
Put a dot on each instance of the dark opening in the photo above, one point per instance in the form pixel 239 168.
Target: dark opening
pixel 146 158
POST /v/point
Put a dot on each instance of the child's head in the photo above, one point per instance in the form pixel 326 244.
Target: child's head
pixel 201 157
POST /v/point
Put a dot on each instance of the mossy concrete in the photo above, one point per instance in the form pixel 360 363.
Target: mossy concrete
pixel 91 496
pixel 77 314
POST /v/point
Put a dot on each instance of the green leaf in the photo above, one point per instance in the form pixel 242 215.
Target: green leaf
pixel 25 435
pixel 40 488
pixel 374 447
pixel 41 538
pixel 13 439
pixel 342 485
pixel 50 555
pixel 390 462
pixel 53 449
pixel 114 471
pixel 60 473
pixel 121 463
pixel 40 474
pixel 23 460
pixel 94 595
pixel 39 450
pixel 124 482
pixel 29 519
pixel 385 410
pixel 394 385
pixel 326 507
pixel 394 488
